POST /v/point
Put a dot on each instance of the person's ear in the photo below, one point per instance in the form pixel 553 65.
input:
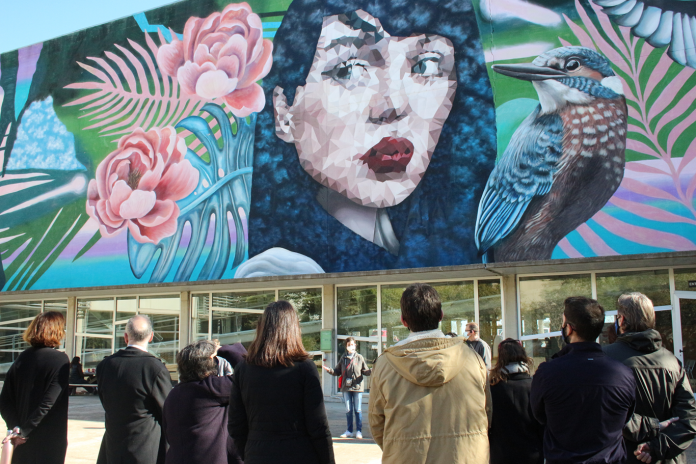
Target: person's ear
pixel 442 315
pixel 284 126
pixel 152 336
pixel 125 337
pixel 403 322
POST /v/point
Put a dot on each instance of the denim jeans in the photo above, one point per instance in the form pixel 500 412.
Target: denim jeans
pixel 353 402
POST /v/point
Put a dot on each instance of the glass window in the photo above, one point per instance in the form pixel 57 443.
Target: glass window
pixel 368 350
pixel 541 300
pixel 458 305
pixel 307 302
pixel 165 342
pixel 244 300
pixel 357 311
pixel 10 312
pixel 491 315
pixel 60 306
pixel 391 314
pixel 232 327
pixel 200 318
pixel 167 303
pixel 95 316
pixel 682 278
pixel 541 349
pixel 126 308
pixel 654 284
pixel 92 350
pixel 663 324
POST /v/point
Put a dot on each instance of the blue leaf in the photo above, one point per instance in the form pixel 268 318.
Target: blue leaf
pixel 224 187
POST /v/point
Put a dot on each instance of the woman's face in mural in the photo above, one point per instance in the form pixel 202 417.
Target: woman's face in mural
pixel 369 118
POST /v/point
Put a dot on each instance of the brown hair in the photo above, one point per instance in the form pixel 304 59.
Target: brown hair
pixel 348 340
pixel 421 307
pixel 638 311
pixel 47 329
pixel 278 339
pixel 509 351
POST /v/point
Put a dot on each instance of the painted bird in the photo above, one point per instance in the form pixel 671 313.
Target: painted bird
pixel 563 162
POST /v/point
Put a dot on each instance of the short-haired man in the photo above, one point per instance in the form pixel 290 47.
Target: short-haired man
pixel 133 385
pixel 475 343
pixel 429 396
pixel 664 423
pixel 583 396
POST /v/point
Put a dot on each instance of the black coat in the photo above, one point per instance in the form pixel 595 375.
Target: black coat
pixel 133 385
pixel 584 398
pixel 277 415
pixel 35 398
pixel 515 436
pixel 195 423
pixel 663 392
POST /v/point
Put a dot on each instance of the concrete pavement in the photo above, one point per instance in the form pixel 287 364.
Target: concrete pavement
pixel 86 429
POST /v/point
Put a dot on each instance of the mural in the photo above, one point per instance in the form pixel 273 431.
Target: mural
pixel 211 140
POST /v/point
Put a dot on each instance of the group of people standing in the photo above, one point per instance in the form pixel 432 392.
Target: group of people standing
pixel 433 399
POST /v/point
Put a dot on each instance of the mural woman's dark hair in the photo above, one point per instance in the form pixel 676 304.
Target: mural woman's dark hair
pixel 453 183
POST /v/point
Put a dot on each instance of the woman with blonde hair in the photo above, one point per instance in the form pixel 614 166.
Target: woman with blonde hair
pixel 515 437
pixel 34 398
pixel 277 412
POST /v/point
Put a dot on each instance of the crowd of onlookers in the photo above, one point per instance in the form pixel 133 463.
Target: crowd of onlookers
pixel 434 398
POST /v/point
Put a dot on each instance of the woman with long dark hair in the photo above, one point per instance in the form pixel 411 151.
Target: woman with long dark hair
pixel 277 409
pixel 515 436
pixel 34 398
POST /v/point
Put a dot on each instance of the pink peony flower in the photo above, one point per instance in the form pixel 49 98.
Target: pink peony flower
pixel 222 55
pixel 137 186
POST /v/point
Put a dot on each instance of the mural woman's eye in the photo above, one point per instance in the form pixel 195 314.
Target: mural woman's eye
pixel 347 71
pixel 572 65
pixel 427 66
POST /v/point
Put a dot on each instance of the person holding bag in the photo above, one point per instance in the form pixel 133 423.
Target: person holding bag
pixel 350 369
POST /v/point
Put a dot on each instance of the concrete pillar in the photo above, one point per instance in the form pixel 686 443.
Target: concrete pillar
pixel 328 322
pixel 70 327
pixel 511 327
pixel 185 319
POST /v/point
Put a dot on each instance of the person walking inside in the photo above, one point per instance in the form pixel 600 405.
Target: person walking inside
pixel 664 423
pixel 34 397
pixel 583 397
pixel 515 437
pixel 429 396
pixel 277 412
pixel 351 368
pixel 132 386
pixel 475 343
pixel 195 412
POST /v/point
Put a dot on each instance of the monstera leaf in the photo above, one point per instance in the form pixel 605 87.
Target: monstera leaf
pixel 223 190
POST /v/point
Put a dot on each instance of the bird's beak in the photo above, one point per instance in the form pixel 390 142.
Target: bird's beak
pixel 528 71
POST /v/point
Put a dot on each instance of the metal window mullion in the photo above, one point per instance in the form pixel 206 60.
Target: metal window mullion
pixel 379 319
pixel 519 307
pixel 476 304
pixel 593 281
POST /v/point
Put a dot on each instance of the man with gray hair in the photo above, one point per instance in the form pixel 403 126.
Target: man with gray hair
pixel 664 422
pixel 133 385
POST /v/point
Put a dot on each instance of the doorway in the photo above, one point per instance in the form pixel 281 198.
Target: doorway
pixel 684 321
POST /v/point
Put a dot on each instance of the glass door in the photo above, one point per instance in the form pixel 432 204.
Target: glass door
pixel 685 329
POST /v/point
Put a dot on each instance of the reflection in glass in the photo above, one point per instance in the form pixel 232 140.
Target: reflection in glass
pixel 541 349
pixel 663 324
pixel 60 306
pixel 682 278
pixel 541 300
pixel 200 318
pixel 458 305
pixel 688 329
pixel 490 315
pixel 357 311
pixel 126 308
pixel 232 327
pixel 92 350
pixel 95 316
pixel 20 310
pixel 654 284
pixel 119 340
pixel 244 300
pixel 368 350
pixel 391 314
pixel 165 342
pixel 169 302
pixel 307 302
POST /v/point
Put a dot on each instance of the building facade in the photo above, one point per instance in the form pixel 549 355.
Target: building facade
pixel 199 161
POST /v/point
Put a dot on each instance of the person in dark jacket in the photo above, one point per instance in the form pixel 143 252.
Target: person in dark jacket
pixel 474 342
pixel 34 398
pixel 195 412
pixel 351 367
pixel 664 423
pixel 77 375
pixel 277 412
pixel 515 437
pixel 583 397
pixel 133 385
pixel 234 353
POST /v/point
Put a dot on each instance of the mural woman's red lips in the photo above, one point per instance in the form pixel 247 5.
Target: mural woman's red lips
pixel 389 155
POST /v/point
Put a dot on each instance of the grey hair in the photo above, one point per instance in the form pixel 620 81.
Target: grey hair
pixel 195 361
pixel 136 335
pixel 638 311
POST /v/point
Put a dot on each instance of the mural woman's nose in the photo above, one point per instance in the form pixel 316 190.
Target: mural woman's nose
pixel 390 100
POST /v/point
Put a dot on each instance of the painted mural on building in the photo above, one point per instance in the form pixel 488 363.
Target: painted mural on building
pixel 210 140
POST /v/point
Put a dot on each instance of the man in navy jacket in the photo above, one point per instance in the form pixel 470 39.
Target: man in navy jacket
pixel 582 396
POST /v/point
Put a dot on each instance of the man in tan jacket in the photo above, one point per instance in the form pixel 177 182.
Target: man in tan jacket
pixel 430 398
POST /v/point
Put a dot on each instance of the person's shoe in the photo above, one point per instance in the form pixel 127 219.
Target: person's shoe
pixel 347 434
pixel 358 435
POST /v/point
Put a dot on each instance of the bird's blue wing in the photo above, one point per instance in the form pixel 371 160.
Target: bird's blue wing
pixel 660 23
pixel 526 170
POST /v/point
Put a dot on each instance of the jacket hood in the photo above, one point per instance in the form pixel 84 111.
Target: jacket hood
pixel 647 341
pixel 429 362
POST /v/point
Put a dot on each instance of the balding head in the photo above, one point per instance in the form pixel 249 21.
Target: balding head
pixel 138 330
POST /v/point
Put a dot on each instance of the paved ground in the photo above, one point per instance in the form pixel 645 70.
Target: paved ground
pixel 86 428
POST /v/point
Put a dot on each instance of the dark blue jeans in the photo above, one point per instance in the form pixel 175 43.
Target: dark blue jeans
pixel 353 402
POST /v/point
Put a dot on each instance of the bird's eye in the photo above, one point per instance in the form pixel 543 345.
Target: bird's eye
pixel 572 65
